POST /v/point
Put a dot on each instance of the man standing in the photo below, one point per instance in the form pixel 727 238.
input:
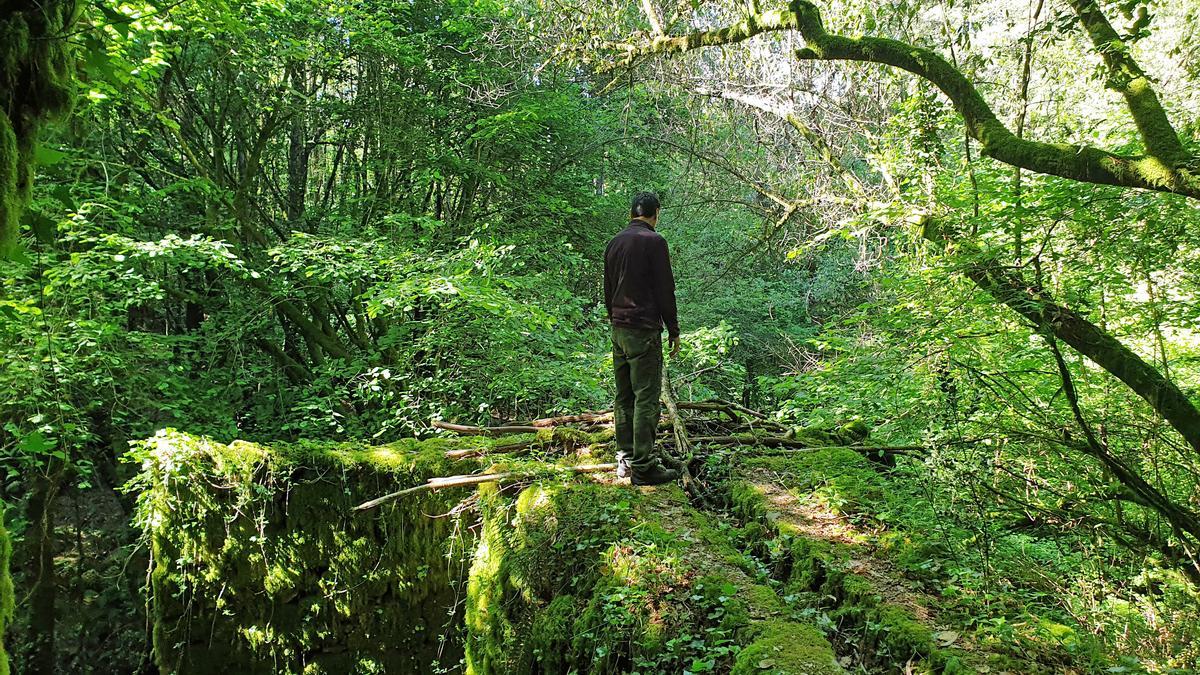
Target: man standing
pixel 639 294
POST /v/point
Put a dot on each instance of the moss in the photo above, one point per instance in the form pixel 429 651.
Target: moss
pixel 902 634
pixel 35 86
pixel 853 432
pixel 748 503
pixel 565 575
pixel 841 477
pixel 595 578
pixel 6 592
pixel 815 570
pixel 549 639
pixel 787 648
pixel 259 560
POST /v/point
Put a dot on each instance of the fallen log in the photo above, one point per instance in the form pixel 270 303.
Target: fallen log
pixel 780 441
pixel 748 439
pixel 739 407
pixel 711 406
pixel 443 482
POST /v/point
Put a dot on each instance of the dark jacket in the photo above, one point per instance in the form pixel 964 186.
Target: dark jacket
pixel 639 289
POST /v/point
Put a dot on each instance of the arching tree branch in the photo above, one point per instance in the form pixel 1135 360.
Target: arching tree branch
pixel 1040 309
pixel 1077 162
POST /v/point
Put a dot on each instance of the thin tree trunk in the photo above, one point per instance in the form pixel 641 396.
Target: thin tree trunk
pixel 44 593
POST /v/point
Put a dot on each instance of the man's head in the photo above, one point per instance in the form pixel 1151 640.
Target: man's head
pixel 645 207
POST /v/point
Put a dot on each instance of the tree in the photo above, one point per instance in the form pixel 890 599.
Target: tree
pixel 1165 166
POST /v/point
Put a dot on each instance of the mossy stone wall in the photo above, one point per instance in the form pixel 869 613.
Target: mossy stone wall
pixel 261 566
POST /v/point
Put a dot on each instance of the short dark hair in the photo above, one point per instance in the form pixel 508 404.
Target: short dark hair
pixel 645 204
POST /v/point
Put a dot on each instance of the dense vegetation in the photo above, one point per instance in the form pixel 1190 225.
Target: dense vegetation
pixel 317 227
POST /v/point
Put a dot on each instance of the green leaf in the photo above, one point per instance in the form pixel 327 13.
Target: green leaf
pixel 36 443
pixel 47 156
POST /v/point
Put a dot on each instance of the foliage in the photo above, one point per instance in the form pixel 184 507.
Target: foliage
pixel 309 223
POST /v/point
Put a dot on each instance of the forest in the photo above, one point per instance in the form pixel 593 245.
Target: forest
pixel 307 366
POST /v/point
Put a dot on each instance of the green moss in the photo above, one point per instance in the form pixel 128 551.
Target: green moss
pixel 902 634
pixel 259 560
pixel 35 86
pixel 6 592
pixel 840 477
pixel 815 571
pixel 748 503
pixel 549 638
pixel 787 648
pixel 853 432
pixel 594 578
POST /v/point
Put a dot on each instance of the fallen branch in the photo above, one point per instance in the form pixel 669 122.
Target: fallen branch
pixel 767 441
pixel 678 428
pixel 468 430
pixel 683 446
pixel 868 450
pixel 467 453
pixel 711 406
pixel 604 417
pixel 780 442
pixel 442 482
pixel 721 405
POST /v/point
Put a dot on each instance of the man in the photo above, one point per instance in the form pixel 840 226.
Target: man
pixel 639 294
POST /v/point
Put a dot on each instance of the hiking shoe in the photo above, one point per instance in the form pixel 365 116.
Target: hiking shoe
pixel 655 475
pixel 623 469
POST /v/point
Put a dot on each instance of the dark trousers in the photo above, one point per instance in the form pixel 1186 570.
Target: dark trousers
pixel 637 362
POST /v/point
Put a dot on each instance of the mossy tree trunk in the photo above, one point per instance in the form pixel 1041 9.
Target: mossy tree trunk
pixel 35 85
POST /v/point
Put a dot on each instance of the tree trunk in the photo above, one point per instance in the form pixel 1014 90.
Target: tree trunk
pixel 44 593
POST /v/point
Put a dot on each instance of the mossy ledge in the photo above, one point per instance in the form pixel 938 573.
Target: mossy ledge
pixel 259 563
pixel 598 578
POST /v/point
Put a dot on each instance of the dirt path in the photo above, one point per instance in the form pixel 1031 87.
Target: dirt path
pixel 816 521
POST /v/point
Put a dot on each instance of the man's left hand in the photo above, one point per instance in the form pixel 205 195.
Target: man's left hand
pixel 674 342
